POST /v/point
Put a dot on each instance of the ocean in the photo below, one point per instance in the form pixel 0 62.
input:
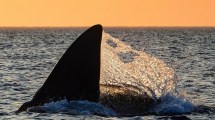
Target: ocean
pixel 172 69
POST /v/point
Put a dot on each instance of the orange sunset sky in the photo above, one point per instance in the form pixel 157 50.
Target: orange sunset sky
pixel 66 13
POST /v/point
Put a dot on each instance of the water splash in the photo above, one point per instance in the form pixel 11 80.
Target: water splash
pixel 134 82
pixel 74 108
pixel 171 105
pixel 134 70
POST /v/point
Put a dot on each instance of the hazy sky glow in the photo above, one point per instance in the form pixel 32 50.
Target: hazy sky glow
pixel 107 12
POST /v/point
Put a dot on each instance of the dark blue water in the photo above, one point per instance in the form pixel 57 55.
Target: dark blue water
pixel 27 56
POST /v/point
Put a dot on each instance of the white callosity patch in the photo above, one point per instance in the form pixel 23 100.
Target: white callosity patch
pixel 123 66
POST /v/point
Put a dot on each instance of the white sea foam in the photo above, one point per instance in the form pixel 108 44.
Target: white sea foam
pixel 171 104
pixel 75 108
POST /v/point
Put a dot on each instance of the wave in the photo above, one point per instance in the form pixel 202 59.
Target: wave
pixel 74 108
pixel 173 105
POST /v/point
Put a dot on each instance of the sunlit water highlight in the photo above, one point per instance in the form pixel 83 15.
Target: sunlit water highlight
pixel 142 62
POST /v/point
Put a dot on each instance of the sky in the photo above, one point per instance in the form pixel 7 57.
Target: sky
pixel 68 13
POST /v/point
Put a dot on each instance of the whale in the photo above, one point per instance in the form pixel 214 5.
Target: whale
pixel 76 75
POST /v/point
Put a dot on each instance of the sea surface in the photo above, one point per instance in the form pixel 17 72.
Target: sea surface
pixel 28 55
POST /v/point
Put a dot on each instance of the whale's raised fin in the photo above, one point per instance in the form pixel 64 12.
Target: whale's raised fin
pixel 76 75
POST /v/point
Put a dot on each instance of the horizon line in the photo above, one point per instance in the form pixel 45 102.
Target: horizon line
pixel 150 26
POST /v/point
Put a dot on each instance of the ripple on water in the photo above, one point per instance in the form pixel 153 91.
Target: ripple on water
pixel 190 50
